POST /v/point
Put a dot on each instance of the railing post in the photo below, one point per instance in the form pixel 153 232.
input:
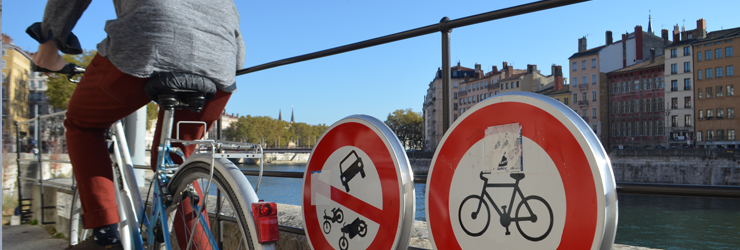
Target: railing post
pixel 445 73
pixel 18 168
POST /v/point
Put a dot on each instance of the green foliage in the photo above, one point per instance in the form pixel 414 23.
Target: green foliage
pixel 60 89
pixel 272 132
pixel 151 114
pixel 34 222
pixel 408 126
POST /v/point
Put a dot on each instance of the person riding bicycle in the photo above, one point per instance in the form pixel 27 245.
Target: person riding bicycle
pixel 199 42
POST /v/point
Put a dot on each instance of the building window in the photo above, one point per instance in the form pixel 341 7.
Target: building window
pixel 687 67
pixel 674 103
pixel 687 84
pixel 687 102
pixel 728 52
pixel 730 70
pixel 584 113
pixel 583 80
pixel 686 51
pixel 709 92
pixel 593 79
pixel 575 66
pixel 718 53
pixel 687 120
pixel 720 135
pixel 674 85
pixel 575 98
pixel 585 97
pixel 718 71
pixel 593 96
pixel 674 68
pixel 720 113
pixel 701 115
pixel 674 121
pixel 730 90
pixel 698 56
pixel 454 106
pixel 575 81
pixel 719 91
pixel 710 114
pixel 709 73
pixel 730 134
pixel 565 100
pixel 730 113
pixel 583 64
pixel 454 84
pixel 698 74
pixel 710 135
pixel 708 55
pixel 593 113
pixel 593 63
pixel 4 67
pixel 517 84
pixel 674 53
pixel 698 135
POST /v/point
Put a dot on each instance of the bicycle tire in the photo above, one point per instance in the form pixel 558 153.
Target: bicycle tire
pixel 474 216
pixel 549 228
pixel 199 172
pixel 77 231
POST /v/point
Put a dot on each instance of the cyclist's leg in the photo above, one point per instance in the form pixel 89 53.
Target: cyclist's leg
pixel 103 96
pixel 210 113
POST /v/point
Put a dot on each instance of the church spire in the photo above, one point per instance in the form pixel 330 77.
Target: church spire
pixel 650 23
pixel 292 118
pixel 280 115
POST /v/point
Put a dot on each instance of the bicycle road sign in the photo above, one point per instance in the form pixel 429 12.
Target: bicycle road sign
pixel 358 191
pixel 521 171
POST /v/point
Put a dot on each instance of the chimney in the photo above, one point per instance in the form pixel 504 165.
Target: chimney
pixel 531 68
pixel 478 72
pixel 676 34
pixel 652 55
pixel 494 70
pixel 701 26
pixel 582 44
pixel 638 43
pixel 664 35
pixel 557 72
pixel 609 37
pixel 458 66
pixel 7 39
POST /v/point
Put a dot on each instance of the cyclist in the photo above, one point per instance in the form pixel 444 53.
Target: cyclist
pixel 200 40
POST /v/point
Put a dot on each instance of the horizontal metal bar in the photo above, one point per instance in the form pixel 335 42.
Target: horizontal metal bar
pixel 36 160
pixel 285 174
pixel 677 189
pixel 293 230
pixel 480 18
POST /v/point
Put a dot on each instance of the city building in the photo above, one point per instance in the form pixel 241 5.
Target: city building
pixel 715 104
pixel 560 90
pixel 16 67
pixel 433 103
pixel 679 94
pixel 637 111
pixel 588 68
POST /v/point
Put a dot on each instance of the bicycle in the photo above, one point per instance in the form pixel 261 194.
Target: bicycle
pixel 505 216
pixel 236 220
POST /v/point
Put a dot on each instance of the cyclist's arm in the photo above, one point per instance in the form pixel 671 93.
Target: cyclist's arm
pixel 60 16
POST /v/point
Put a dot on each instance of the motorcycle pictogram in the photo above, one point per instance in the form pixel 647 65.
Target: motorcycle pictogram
pixel 357 227
pixel 337 217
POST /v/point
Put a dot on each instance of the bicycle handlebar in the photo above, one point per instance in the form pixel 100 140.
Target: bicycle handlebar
pixel 70 70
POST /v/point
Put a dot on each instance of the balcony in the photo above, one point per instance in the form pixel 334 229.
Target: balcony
pixel 582 103
pixel 583 86
pixel 462 93
pixel 585 118
pixel 493 86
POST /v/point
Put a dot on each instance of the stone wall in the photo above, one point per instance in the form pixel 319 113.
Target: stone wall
pixel 677 170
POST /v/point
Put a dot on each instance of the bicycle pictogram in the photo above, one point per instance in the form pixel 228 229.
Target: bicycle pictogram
pixel 471 208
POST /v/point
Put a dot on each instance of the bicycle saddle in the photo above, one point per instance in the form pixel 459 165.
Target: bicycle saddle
pixel 517 176
pixel 180 90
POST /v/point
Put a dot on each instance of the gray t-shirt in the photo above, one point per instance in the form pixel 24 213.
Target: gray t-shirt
pixel 148 36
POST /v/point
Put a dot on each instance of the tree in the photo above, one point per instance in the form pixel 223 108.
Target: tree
pixel 60 89
pixel 273 132
pixel 151 114
pixel 408 127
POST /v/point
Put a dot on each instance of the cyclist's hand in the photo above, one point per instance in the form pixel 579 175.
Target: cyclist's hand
pixel 48 57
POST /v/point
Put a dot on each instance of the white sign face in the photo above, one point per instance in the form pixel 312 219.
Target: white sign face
pixel 64 204
pixel 541 188
pixel 351 170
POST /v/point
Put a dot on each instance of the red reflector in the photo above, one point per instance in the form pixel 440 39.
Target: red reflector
pixel 265 218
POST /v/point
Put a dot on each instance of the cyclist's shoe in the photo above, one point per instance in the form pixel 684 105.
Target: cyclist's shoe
pixel 90 244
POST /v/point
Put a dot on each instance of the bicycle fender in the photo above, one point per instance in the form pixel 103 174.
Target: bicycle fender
pixel 242 188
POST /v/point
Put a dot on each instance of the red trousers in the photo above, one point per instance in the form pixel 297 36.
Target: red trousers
pixel 103 96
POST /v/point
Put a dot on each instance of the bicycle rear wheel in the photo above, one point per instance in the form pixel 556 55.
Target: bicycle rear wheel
pixel 226 220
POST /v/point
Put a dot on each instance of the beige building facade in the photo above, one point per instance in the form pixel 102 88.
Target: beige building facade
pixel 16 66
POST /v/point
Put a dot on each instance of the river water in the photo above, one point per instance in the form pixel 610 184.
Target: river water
pixel 665 222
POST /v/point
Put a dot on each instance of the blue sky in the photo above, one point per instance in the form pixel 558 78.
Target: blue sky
pixel 378 80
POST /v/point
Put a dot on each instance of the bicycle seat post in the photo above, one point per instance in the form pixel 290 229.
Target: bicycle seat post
pixel 167 102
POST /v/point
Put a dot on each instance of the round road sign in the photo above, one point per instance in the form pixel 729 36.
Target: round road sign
pixel 521 171
pixel 358 190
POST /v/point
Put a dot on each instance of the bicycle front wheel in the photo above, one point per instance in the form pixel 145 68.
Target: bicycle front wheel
pixel 537 219
pixel 225 221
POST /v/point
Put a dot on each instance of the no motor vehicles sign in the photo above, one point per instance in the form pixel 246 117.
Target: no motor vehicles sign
pixel 521 171
pixel 358 190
